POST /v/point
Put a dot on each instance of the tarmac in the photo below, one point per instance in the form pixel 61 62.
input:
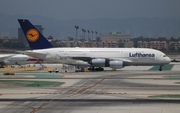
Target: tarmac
pixel 129 90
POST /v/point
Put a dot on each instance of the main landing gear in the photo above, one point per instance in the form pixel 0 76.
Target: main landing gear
pixel 1 65
pixel 96 69
pixel 160 68
pixel 90 69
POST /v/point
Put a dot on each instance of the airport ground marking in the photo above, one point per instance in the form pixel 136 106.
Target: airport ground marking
pixel 20 105
pixel 79 92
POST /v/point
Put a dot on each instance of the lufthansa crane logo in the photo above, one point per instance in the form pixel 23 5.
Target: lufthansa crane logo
pixel 32 35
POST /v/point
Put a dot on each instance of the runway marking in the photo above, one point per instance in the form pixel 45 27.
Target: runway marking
pixel 79 92
pixel 143 86
pixel 84 89
pixel 55 93
pixel 19 105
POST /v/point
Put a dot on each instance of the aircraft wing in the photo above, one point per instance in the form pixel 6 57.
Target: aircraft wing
pixel 82 58
pixel 86 59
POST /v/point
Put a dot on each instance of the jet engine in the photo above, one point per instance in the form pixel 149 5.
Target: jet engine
pixel 106 63
pixel 100 62
pixel 116 64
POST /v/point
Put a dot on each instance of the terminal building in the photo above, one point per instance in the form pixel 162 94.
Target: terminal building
pixel 116 36
pixel 22 38
pixel 153 44
pixel 122 40
pixel 112 40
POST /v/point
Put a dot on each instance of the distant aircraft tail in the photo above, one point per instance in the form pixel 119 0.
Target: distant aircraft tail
pixel 35 39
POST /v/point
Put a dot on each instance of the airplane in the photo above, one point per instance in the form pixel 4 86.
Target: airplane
pixel 95 58
pixel 17 59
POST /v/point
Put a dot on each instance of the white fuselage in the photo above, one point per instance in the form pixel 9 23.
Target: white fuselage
pixel 129 56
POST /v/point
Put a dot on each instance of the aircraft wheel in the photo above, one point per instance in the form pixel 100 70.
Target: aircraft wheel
pixel 93 69
pixel 102 69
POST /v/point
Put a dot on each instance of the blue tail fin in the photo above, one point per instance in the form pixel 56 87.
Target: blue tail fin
pixel 35 39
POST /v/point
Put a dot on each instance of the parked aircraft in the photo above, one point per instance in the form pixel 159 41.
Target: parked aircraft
pixel 17 59
pixel 93 57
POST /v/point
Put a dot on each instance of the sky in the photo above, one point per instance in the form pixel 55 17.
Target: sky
pixel 92 9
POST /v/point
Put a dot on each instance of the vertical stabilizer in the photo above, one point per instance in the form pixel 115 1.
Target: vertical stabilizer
pixel 35 39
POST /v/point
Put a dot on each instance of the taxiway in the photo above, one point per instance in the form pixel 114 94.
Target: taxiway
pixel 121 91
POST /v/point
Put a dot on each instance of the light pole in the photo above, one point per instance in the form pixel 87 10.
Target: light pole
pixel 83 34
pixel 76 27
pixel 88 33
pixel 92 34
pixel 96 34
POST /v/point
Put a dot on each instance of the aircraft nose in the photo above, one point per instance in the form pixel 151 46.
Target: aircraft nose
pixel 168 60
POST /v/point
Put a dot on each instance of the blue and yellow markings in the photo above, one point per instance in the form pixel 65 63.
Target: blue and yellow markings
pixel 32 35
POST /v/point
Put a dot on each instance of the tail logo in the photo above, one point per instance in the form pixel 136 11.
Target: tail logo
pixel 32 35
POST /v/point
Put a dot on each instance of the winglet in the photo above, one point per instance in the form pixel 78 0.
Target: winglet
pixel 35 39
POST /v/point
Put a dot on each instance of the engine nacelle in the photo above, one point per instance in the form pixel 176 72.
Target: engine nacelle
pixel 100 62
pixel 116 64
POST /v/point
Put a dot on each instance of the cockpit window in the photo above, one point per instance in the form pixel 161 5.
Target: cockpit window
pixel 164 56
